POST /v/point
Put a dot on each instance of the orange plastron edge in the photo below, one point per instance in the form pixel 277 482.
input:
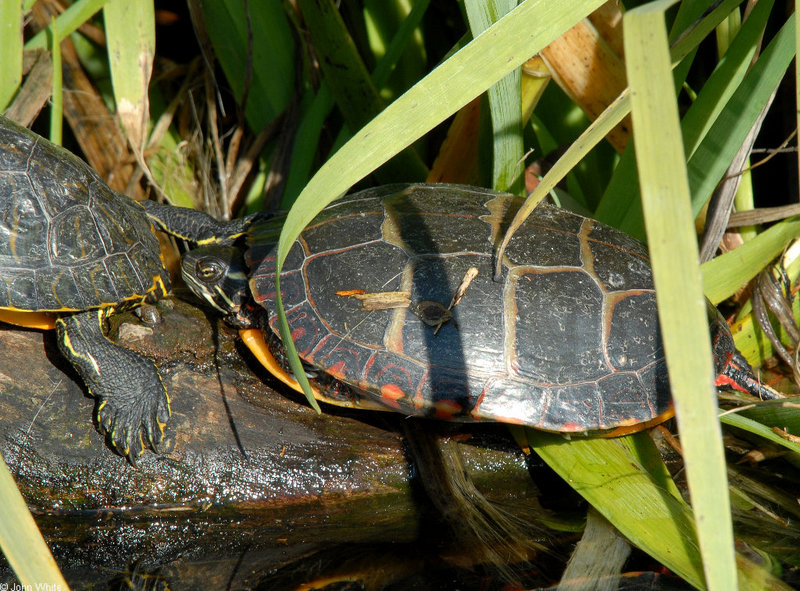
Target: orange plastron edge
pixel 40 320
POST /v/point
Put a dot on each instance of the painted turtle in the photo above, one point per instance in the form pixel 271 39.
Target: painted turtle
pixel 72 251
pixel 566 340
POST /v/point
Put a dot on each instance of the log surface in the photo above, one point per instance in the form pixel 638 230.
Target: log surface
pixel 245 469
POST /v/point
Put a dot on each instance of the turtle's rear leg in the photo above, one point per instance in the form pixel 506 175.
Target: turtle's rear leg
pixel 132 402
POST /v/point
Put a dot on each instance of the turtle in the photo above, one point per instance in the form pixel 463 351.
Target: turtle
pixel 566 339
pixel 73 252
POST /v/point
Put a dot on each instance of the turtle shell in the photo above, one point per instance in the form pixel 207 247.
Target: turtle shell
pixel 566 339
pixel 67 241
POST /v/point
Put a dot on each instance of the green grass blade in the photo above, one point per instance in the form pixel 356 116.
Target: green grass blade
pixel 304 150
pixel 709 162
pixel 620 205
pixel 472 70
pixel 684 40
pixel 718 139
pixel 314 116
pixel 504 103
pixel 57 99
pixel 757 427
pixel 405 36
pixel 725 79
pixel 727 273
pixel 626 480
pixel 673 249
pixel 254 46
pixel 797 82
pixel 612 476
pixel 68 22
pixel 22 544
pixel 345 72
pixel 350 82
pixel 10 51
pixel 131 35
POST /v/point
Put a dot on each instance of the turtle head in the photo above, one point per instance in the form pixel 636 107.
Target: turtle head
pixel 218 275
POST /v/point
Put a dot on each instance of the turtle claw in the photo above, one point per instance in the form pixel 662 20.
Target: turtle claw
pixel 133 405
pixel 131 428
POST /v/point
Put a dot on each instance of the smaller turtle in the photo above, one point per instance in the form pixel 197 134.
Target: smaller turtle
pixel 566 340
pixel 72 252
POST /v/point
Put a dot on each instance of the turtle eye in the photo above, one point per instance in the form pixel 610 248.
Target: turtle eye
pixel 209 270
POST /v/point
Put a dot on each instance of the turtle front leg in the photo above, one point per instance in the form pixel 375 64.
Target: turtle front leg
pixel 132 402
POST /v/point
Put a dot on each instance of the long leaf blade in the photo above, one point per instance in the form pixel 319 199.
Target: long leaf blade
pixel 674 255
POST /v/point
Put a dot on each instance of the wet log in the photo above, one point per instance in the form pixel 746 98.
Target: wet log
pixel 249 478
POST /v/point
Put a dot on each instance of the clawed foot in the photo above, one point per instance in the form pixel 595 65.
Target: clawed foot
pixel 134 425
pixel 133 405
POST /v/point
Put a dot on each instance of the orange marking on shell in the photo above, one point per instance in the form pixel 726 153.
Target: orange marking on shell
pixel 446 409
pixel 390 394
pixel 636 427
pixel 40 320
pixel 337 370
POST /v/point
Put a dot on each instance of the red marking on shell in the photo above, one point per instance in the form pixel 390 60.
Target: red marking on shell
pixel 390 394
pixel 723 380
pixel 337 370
pixel 367 367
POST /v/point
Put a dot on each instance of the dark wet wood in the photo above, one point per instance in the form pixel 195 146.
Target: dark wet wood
pixel 231 437
pixel 247 471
